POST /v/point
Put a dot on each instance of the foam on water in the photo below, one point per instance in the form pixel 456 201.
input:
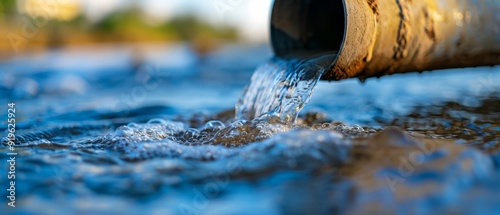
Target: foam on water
pixel 269 159
pixel 313 158
pixel 168 159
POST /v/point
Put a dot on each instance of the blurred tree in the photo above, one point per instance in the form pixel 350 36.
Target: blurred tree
pixel 131 24
pixel 128 25
pixel 190 27
pixel 7 9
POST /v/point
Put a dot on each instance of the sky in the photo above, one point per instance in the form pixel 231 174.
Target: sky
pixel 250 17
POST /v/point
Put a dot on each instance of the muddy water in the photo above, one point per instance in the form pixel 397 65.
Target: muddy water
pixel 401 144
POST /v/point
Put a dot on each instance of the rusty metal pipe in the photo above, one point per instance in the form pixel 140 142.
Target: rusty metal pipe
pixel 380 37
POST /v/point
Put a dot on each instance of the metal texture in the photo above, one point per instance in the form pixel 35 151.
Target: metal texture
pixel 381 37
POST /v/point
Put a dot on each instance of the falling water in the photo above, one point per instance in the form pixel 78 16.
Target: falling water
pixel 80 154
pixel 280 88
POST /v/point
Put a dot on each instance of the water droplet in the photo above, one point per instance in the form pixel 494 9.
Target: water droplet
pixel 214 125
pixel 316 126
pixel 358 128
pixel 191 134
pixel 133 125
pixel 157 121
pixel 238 124
pixel 123 131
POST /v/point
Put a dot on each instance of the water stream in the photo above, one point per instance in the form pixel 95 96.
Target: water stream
pixel 382 147
pixel 280 88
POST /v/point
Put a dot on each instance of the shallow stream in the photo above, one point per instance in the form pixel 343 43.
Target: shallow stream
pixel 162 137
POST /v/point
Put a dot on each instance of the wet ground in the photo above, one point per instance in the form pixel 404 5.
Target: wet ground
pixel 100 132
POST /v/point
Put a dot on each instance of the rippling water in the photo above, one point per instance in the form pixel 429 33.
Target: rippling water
pixel 164 138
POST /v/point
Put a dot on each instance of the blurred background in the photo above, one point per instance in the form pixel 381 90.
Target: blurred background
pixel 78 70
pixel 55 49
pixel 29 26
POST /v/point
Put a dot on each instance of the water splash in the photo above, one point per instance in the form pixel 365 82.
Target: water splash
pixel 96 161
pixel 280 88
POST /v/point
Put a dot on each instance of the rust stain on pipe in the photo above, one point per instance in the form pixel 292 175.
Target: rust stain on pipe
pixel 373 6
pixel 403 31
pixel 376 38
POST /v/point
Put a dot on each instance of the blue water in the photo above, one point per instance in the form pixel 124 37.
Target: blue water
pixel 101 132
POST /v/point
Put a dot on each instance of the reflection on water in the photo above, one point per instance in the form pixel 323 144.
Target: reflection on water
pixel 478 126
pixel 401 144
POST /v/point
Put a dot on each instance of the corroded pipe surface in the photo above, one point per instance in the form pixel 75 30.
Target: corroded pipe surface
pixel 381 37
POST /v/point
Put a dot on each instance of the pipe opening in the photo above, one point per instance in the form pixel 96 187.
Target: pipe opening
pixel 312 27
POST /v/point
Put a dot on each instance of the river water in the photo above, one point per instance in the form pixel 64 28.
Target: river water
pixel 110 135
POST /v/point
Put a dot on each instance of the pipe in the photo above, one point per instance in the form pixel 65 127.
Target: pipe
pixel 381 37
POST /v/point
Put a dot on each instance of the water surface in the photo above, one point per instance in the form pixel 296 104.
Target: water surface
pixel 164 138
